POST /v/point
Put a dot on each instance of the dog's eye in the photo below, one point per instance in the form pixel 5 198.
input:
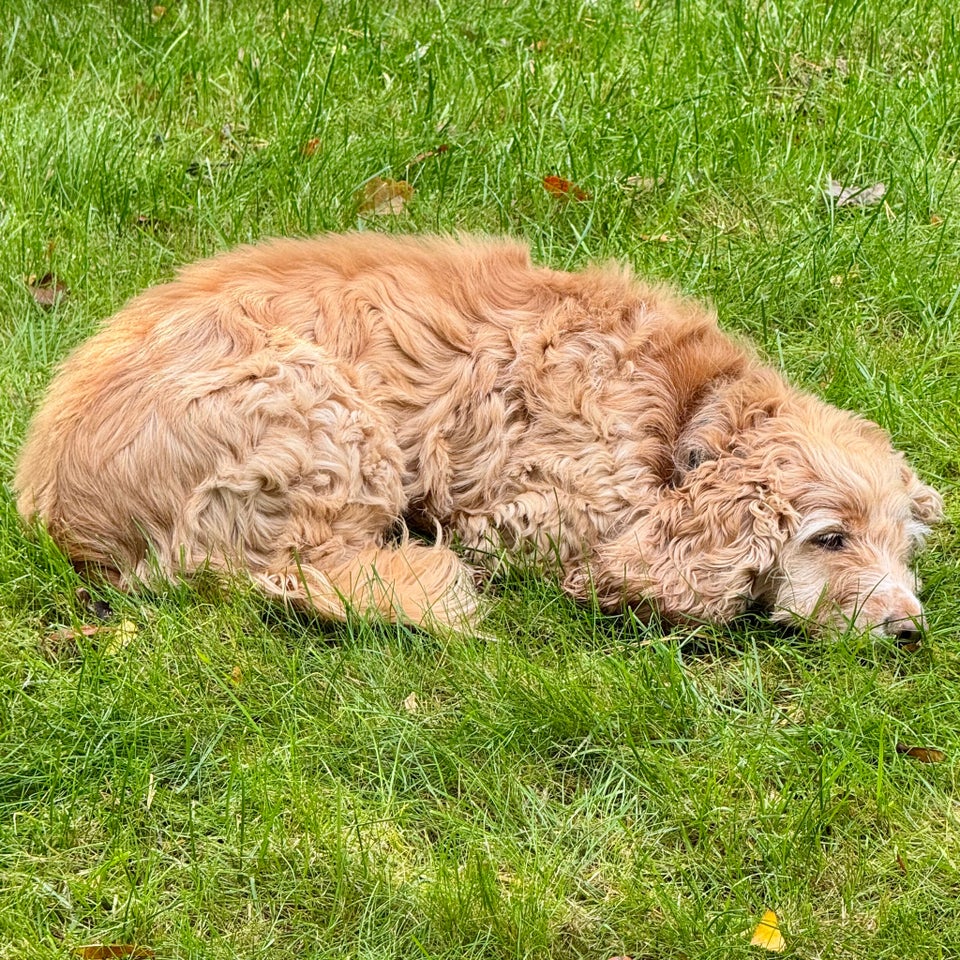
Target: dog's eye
pixel 830 541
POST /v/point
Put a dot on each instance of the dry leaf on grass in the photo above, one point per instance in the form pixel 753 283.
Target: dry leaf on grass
pixel 411 704
pixel 437 151
pixel 856 196
pixel 47 291
pixel 382 197
pixel 923 754
pixel 309 148
pixel 564 189
pixel 158 12
pixel 109 951
pixel 236 676
pixel 637 185
pixel 65 643
pixel 767 935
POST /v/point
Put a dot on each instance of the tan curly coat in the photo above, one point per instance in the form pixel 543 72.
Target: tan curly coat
pixel 280 409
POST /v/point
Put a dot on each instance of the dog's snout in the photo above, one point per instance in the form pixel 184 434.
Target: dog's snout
pixel 905 622
pixel 904 631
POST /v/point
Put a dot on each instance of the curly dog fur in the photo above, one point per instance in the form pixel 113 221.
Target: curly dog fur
pixel 281 409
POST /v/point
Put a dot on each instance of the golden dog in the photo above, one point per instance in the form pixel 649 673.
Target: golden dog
pixel 284 410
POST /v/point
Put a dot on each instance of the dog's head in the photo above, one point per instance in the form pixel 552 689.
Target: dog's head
pixel 851 514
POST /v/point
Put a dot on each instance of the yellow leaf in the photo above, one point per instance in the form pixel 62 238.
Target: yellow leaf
pixel 767 935
pixel 110 951
pixel 120 636
pixel 384 197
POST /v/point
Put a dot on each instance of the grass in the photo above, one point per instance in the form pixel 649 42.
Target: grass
pixel 239 782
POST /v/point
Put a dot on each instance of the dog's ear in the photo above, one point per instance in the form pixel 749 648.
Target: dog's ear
pixel 725 420
pixel 927 504
pixel 702 552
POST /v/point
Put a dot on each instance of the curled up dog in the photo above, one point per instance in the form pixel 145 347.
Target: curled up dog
pixel 279 410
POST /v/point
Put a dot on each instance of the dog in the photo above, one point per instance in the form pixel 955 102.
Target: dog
pixel 287 411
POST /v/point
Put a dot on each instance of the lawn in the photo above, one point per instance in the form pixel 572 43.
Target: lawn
pixel 212 777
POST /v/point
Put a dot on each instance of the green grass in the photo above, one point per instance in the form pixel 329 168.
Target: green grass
pixel 240 782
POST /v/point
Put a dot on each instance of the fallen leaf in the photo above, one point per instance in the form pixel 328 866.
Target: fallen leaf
pixel 661 238
pixel 108 951
pixel 634 185
pixel 767 934
pixel 411 704
pixel 923 754
pixel 119 636
pixel 563 189
pixel 64 643
pixel 310 147
pixel 935 220
pixel 67 634
pixel 158 12
pixel 236 676
pixel 384 197
pixel 48 291
pixel 427 154
pixel 856 196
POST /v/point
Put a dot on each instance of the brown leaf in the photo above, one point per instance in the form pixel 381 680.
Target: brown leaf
pixel 384 197
pixel 411 704
pixel 64 643
pixel 48 291
pixel 923 754
pixel 935 220
pixel 427 154
pixel 856 196
pixel 158 12
pixel 901 864
pixel 236 676
pixel 109 951
pixel 87 630
pixel 563 189
pixel 310 147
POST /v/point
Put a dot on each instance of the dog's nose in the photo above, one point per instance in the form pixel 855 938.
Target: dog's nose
pixel 905 627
